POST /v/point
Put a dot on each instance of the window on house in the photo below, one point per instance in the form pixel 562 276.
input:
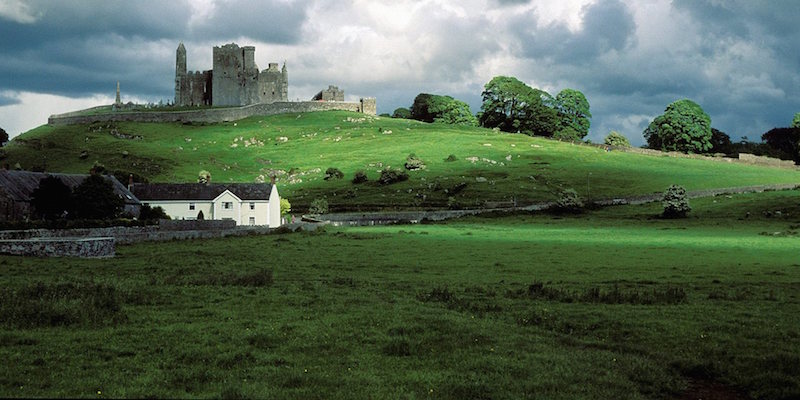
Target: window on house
pixel 252 220
pixel 191 206
pixel 252 206
pixel 227 205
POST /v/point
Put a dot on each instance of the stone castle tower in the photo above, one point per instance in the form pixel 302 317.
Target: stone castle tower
pixel 234 80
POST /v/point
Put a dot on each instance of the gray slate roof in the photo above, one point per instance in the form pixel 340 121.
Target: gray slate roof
pixel 19 185
pixel 200 191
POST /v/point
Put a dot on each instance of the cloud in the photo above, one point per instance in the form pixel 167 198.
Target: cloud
pixel 266 22
pixel 17 11
pixel 737 59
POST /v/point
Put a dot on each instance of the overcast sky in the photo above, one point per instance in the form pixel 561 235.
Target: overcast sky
pixel 738 59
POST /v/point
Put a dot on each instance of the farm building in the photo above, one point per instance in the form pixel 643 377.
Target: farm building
pixel 245 203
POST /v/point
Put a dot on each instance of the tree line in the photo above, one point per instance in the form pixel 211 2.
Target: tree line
pixel 510 105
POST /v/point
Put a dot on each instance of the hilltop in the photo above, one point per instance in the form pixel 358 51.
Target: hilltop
pixel 297 148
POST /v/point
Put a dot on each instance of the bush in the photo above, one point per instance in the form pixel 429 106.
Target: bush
pixel 318 206
pixel 675 202
pixel 389 176
pixel 360 177
pixel 569 201
pixel 568 134
pixel 414 163
pixel 451 158
pixel 616 139
pixel 148 213
pixel 333 173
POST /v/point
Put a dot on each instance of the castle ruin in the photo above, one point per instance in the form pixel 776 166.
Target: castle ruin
pixel 234 79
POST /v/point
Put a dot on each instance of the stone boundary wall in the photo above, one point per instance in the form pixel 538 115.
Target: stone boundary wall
pixel 95 247
pixel 744 158
pixel 208 115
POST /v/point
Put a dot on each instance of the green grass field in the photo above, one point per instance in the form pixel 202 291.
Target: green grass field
pixel 298 148
pixel 614 303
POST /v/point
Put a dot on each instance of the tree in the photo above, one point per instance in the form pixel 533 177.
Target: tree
pixel 684 126
pixel 401 112
pixel 785 141
pixel 796 121
pixel 3 137
pixel 94 198
pixel 616 139
pixel 513 106
pixel 52 198
pixel 573 112
pixel 445 109
pixel 720 142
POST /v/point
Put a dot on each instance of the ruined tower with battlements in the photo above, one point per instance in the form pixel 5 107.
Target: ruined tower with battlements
pixel 234 79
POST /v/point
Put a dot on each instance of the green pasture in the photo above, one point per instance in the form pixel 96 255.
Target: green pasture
pixel 298 148
pixel 614 303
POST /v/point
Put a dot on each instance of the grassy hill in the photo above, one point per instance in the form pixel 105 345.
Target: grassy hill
pixel 298 148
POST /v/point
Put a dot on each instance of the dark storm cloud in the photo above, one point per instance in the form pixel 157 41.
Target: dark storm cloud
pixel 81 48
pixel 7 100
pixel 607 25
pixel 267 22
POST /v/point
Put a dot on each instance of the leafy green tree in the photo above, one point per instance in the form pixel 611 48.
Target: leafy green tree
pixel 402 112
pixel 684 126
pixel 3 137
pixel 94 198
pixel 513 106
pixel 796 121
pixel 51 198
pixel 616 139
pixel 573 112
pixel 445 109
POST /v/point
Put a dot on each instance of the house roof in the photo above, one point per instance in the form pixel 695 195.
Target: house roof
pixel 200 191
pixel 19 185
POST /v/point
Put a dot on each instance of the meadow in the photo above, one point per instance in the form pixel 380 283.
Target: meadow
pixel 299 148
pixel 611 303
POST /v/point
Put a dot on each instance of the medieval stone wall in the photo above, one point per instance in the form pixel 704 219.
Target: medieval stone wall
pixel 211 115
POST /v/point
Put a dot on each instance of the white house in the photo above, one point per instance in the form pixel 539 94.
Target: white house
pixel 245 203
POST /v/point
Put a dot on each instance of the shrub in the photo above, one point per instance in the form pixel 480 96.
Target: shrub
pixel 148 213
pixel 203 177
pixel 675 202
pixel 286 207
pixel 616 139
pixel 333 173
pixel 318 206
pixel 389 176
pixel 360 177
pixel 451 158
pixel 414 163
pixel 569 201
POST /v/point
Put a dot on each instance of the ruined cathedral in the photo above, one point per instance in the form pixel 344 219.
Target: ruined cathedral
pixel 234 79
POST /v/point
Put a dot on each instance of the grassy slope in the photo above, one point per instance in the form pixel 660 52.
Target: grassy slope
pixel 439 311
pixel 537 168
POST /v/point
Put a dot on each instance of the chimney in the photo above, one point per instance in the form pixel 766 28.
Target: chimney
pixel 130 182
pixel 272 179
